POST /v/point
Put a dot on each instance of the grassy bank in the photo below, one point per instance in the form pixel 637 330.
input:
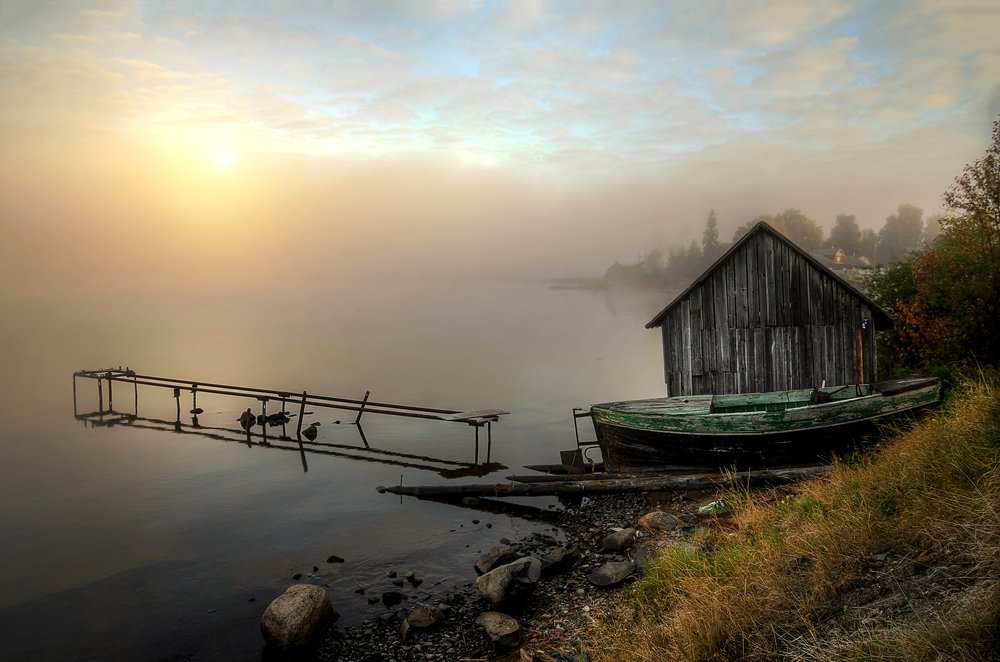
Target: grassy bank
pixel 892 556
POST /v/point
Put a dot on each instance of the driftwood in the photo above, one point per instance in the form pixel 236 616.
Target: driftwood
pixel 611 485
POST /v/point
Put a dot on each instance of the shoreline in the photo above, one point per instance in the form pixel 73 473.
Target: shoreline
pixel 552 619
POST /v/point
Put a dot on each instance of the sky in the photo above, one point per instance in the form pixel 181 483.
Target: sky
pixel 147 145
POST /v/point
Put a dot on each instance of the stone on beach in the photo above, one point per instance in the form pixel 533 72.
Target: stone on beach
pixel 612 573
pixel 296 617
pixel 503 630
pixel 559 559
pixel 422 617
pixel 510 582
pixel 659 521
pixel 494 557
pixel 619 540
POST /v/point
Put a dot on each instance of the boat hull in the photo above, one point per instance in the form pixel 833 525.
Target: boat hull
pixel 700 431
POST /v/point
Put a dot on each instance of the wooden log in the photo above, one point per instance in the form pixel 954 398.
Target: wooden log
pixel 611 485
pixel 602 475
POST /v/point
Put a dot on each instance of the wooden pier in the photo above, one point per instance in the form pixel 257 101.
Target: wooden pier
pixel 107 377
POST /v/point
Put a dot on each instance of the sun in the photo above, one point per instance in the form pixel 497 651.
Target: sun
pixel 222 158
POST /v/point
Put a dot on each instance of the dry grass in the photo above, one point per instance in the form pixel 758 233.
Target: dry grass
pixel 770 586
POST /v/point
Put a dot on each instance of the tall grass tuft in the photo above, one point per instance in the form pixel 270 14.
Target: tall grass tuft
pixel 770 587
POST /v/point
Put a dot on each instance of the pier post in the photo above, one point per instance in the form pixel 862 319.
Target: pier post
pixel 74 394
pixel 135 388
pixel 302 410
pixel 489 440
pixel 100 396
pixel 477 442
pixel 263 420
pixel 111 404
pixel 362 409
pixel 177 399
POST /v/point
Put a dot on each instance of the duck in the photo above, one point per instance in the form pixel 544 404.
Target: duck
pixel 247 419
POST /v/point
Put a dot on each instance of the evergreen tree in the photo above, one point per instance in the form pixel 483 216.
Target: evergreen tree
pixel 710 246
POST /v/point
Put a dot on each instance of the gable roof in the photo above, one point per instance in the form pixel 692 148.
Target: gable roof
pixel 883 319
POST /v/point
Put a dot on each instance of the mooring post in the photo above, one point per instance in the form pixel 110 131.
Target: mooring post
pixel 302 410
pixel 284 419
pixel 263 420
pixel 177 399
pixel 302 454
pixel 362 410
pixel 74 394
pixel 111 404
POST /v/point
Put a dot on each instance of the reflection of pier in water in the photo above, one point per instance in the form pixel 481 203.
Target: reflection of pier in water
pixel 303 441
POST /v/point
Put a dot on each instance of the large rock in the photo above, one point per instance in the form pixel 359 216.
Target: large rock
pixel 659 521
pixel 421 617
pixel 510 582
pixel 612 573
pixel 493 557
pixel 296 617
pixel 619 540
pixel 503 630
pixel 559 560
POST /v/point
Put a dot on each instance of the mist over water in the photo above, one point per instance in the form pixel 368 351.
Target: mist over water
pixel 163 538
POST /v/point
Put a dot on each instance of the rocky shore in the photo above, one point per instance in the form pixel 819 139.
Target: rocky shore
pixel 596 535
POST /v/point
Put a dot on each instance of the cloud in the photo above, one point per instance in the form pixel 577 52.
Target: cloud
pixel 523 123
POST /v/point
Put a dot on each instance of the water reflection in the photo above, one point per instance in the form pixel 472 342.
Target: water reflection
pixel 305 440
pixel 304 443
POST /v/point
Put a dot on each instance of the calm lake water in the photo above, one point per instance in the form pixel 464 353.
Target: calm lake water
pixel 131 542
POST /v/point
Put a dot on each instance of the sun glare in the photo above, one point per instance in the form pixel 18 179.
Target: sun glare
pixel 223 159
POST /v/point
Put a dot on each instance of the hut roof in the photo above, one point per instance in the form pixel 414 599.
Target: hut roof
pixel 882 319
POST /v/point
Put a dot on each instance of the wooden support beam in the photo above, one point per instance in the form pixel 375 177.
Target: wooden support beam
pixel 611 485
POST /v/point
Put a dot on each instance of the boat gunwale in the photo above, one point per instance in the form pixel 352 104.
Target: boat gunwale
pixel 728 427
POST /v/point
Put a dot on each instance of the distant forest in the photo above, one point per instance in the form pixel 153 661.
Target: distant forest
pixel 901 234
pixel 939 278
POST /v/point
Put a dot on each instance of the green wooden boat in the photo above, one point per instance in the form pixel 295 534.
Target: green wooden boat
pixel 754 429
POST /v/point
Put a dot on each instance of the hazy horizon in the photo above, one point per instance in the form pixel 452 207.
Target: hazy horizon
pixel 260 146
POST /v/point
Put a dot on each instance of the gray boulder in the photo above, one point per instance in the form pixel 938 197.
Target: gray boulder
pixel 510 582
pixel 493 557
pixel 421 617
pixel 559 560
pixel 503 630
pixel 620 540
pixel 296 617
pixel 659 521
pixel 612 573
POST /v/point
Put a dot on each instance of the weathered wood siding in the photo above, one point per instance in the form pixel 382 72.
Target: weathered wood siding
pixel 766 319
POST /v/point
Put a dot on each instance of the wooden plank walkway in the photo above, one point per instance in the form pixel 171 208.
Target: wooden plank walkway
pixel 109 376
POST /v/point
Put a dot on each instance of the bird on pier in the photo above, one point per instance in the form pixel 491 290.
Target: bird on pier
pixel 310 432
pixel 247 419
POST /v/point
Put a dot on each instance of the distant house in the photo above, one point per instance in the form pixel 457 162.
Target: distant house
pixel 768 316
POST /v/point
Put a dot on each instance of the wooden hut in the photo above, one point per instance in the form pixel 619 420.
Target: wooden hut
pixel 768 316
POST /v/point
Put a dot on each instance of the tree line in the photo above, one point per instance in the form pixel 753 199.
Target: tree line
pixel 945 295
pixel 938 277
pixel 902 233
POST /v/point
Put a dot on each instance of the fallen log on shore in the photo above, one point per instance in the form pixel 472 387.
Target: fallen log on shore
pixel 589 485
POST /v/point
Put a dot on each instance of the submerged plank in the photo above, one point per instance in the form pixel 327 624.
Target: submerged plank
pixel 611 485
